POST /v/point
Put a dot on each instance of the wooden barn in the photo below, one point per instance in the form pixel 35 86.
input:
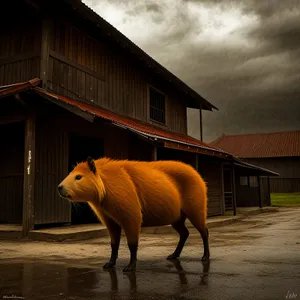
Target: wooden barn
pixel 72 86
pixel 278 151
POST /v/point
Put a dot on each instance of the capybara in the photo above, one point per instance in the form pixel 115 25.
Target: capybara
pixel 128 195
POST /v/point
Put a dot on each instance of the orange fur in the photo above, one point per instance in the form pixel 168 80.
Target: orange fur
pixel 134 194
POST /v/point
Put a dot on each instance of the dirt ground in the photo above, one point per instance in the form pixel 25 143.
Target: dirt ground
pixel 256 258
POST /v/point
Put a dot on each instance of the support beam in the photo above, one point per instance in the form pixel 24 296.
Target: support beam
pixel 259 192
pixel 201 125
pixel 269 190
pixel 29 176
pixel 154 153
pixel 233 188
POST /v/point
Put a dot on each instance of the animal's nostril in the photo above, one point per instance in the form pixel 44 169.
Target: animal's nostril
pixel 60 187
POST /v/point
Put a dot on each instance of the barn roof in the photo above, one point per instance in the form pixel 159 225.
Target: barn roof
pixel 103 27
pixel 169 138
pixel 261 145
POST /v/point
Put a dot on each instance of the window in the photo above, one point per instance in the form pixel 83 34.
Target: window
pixel 243 180
pixel 157 106
pixel 253 181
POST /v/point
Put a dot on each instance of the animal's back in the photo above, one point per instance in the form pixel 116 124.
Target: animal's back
pixel 164 189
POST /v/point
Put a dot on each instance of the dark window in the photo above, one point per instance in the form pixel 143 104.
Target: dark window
pixel 243 180
pixel 253 181
pixel 157 106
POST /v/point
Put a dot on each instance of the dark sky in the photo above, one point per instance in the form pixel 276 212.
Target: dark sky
pixel 242 56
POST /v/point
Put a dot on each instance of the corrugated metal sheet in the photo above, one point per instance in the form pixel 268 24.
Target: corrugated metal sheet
pixel 140 127
pixel 134 124
pixel 12 89
pixel 259 145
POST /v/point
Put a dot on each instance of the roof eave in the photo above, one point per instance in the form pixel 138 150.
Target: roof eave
pixel 120 38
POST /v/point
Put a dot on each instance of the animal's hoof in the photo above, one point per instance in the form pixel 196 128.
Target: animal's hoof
pixel 205 258
pixel 172 256
pixel 109 265
pixel 129 268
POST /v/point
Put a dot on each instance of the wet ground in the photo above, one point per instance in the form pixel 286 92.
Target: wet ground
pixel 257 258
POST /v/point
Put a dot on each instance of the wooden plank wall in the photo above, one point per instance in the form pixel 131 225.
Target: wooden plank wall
pixel 20 46
pixel 52 158
pixel 285 185
pixel 11 172
pixel 99 72
pixel 265 192
pixel 211 171
pixel 51 167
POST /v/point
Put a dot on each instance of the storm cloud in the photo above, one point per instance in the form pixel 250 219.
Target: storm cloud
pixel 242 56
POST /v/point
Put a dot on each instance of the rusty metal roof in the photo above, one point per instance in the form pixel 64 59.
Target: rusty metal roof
pixel 90 112
pixel 7 90
pixel 133 124
pixel 261 145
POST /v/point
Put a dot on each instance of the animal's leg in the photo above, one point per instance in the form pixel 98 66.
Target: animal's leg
pixel 115 236
pixel 132 231
pixel 180 227
pixel 199 223
pixel 205 236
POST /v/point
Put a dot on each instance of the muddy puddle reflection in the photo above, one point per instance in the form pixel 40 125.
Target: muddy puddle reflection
pixel 166 280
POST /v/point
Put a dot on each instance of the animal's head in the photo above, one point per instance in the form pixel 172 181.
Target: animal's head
pixel 83 184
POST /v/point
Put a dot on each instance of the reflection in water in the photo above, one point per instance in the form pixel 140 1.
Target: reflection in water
pixel 51 281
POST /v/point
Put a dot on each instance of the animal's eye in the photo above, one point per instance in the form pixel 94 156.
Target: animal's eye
pixel 78 177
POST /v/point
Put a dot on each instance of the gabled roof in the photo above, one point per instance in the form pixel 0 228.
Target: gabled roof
pixel 151 132
pixel 261 145
pixel 125 44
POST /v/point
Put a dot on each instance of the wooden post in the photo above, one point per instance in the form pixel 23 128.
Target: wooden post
pixel 233 188
pixel 29 176
pixel 269 190
pixel 201 125
pixel 259 192
pixel 154 153
pixel 223 189
pixel 45 52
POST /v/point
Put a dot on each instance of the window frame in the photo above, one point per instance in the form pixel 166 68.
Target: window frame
pixel 150 106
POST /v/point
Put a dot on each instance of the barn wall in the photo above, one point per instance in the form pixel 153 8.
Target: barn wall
pixel 11 172
pixel 289 170
pixel 95 70
pixel 20 44
pixel 52 158
pixel 211 171
pixel 287 167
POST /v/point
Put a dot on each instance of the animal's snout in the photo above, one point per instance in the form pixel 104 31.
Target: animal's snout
pixel 62 191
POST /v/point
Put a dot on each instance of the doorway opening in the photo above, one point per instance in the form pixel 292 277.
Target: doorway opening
pixel 12 172
pixel 80 147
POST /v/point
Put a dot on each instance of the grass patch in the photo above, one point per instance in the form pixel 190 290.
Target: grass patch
pixel 285 199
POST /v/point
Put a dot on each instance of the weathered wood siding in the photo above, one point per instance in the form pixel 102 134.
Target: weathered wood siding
pixel 95 70
pixel 265 191
pixel 287 167
pixel 52 158
pixel 211 171
pixel 51 167
pixel 20 45
pixel 11 172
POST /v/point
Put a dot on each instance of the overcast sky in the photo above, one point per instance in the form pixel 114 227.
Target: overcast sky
pixel 242 56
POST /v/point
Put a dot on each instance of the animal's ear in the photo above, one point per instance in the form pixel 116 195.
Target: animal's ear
pixel 91 164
